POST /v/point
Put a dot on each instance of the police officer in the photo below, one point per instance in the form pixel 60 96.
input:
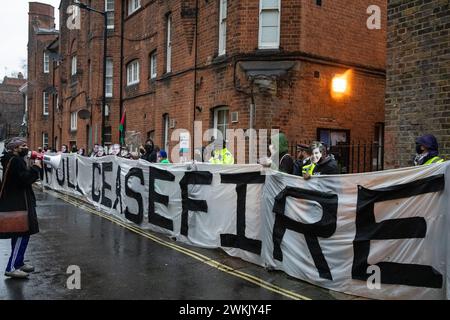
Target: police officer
pixel 427 149
pixel 221 155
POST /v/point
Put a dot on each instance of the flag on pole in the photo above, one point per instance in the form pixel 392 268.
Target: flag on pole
pixel 122 128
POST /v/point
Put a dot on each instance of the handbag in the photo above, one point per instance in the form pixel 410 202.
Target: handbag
pixel 13 221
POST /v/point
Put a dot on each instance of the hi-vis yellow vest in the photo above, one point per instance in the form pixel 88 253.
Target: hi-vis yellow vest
pixel 309 169
pixel 434 160
pixel 222 157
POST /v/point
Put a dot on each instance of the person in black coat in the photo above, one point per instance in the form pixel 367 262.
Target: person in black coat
pixel 18 195
pixel 321 162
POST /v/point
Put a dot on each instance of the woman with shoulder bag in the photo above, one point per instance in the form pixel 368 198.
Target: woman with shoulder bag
pixel 18 219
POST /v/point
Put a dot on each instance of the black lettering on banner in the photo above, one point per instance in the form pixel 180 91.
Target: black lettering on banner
pixel 153 216
pixel 69 184
pixel 118 200
pixel 240 240
pixel 138 173
pixel 76 176
pixel 106 167
pixel 95 196
pixel 195 178
pixel 324 228
pixel 406 228
pixel 61 181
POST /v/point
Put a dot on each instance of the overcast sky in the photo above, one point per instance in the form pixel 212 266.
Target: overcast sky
pixel 14 34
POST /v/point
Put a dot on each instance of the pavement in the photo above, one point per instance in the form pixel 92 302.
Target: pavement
pixel 120 263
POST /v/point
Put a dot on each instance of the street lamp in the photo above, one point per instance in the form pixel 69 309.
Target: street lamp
pixel 105 47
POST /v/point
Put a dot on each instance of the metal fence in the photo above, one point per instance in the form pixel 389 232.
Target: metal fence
pixel 353 158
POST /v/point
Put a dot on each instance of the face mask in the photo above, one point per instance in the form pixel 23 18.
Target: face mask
pixel 316 155
pixel 419 149
pixel 23 152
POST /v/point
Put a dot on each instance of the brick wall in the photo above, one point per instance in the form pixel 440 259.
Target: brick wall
pixel 41 34
pixel 418 81
pixel 11 107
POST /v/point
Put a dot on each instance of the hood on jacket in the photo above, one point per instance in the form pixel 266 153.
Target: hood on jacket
pixel 430 142
pixel 280 143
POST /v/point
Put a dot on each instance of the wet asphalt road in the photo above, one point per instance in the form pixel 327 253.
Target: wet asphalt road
pixel 117 263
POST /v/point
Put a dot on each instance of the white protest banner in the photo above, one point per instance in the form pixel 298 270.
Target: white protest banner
pixel 381 235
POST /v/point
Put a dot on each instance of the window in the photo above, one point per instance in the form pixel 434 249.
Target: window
pixel 133 73
pixel 153 64
pixel 108 136
pixel 45 104
pixel 169 44
pixel 166 132
pixel 74 65
pixel 133 5
pixel 221 116
pixel 269 24
pixel 45 139
pixel 46 62
pixel 109 78
pixel 73 121
pixel 109 8
pixel 223 27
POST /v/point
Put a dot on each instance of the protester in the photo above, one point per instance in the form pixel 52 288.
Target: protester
pixel 100 152
pixel 74 149
pixel 94 151
pixel 17 195
pixel 162 157
pixel 64 149
pixel 303 159
pixel 82 152
pixel 115 150
pixel 321 162
pixel 279 151
pixel 149 151
pixel 427 151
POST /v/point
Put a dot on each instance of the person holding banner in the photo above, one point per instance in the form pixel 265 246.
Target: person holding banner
pixel 321 162
pixel 427 149
pixel 18 218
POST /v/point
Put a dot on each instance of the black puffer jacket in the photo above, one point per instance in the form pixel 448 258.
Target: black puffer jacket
pixel 328 166
pixel 17 193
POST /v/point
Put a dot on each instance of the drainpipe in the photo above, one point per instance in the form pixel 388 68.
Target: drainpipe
pixel 195 77
pixel 122 25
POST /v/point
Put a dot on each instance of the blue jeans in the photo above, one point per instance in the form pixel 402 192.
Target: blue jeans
pixel 18 248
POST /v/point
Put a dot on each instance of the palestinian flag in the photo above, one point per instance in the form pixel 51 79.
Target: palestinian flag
pixel 122 128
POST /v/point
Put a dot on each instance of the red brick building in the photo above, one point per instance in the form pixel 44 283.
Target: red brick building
pixel 40 91
pixel 234 64
pixel 12 107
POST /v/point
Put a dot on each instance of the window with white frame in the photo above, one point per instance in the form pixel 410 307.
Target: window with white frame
pixel 133 5
pixel 74 65
pixel 223 27
pixel 221 116
pixel 73 121
pixel 46 62
pixel 133 73
pixel 153 65
pixel 269 24
pixel 109 8
pixel 45 104
pixel 169 44
pixel 109 78
pixel 45 139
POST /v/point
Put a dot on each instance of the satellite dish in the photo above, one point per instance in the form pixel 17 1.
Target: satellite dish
pixel 84 114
